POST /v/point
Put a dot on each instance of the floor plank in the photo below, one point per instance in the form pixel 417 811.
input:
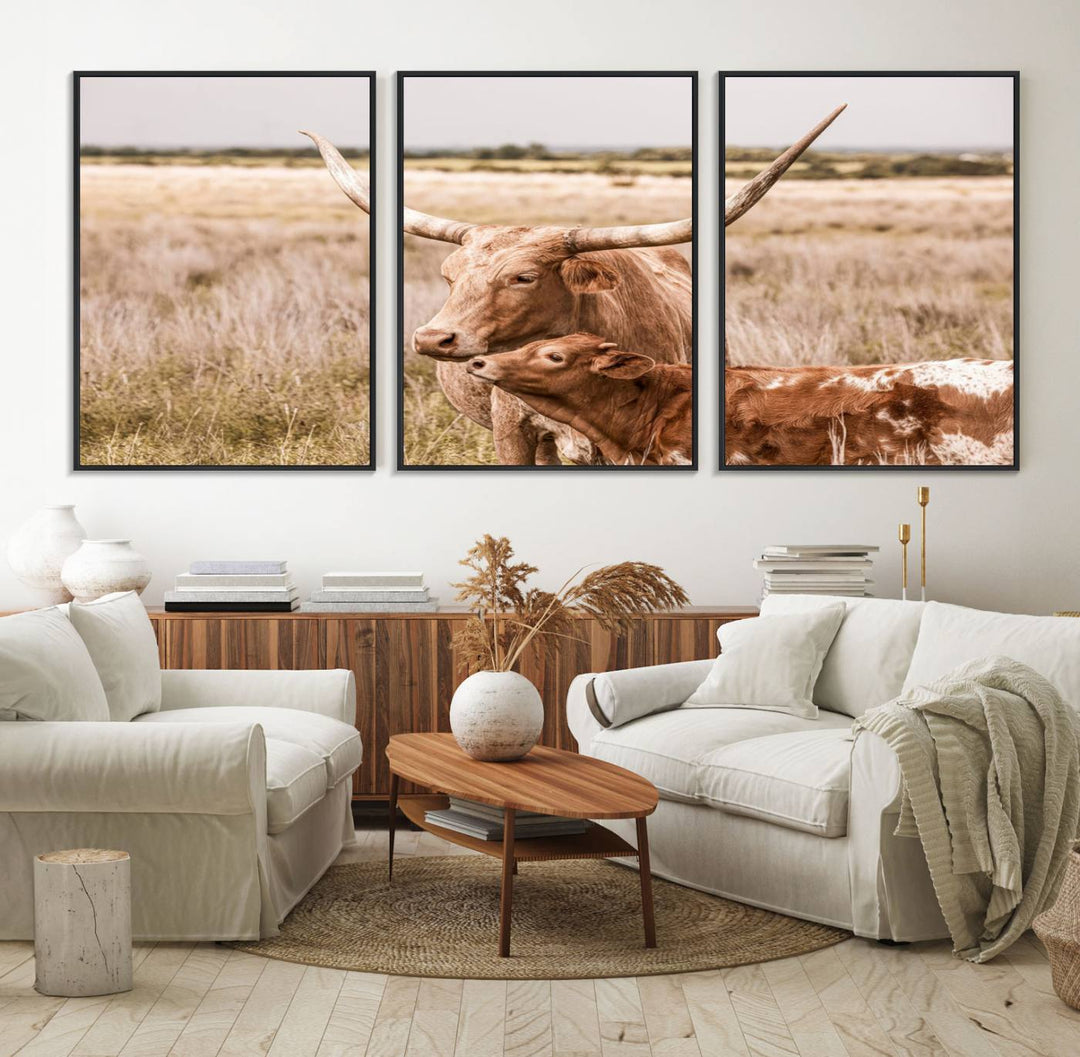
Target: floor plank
pixel 348 1031
pixel 205 1032
pixel 308 1014
pixel 482 1023
pixel 435 1019
pixel 667 1018
pixel 623 1032
pixel 390 1032
pixel 575 1022
pixel 760 1018
pixel 165 1020
pixel 909 1033
pixel 807 1020
pixel 528 1019
pixel 715 1023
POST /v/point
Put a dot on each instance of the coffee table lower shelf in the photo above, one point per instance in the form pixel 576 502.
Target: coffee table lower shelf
pixel 596 842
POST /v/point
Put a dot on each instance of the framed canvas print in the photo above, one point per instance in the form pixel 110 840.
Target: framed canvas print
pixel 223 286
pixel 869 250
pixel 546 297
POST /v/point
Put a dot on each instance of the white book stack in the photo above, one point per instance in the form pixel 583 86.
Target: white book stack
pixel 258 586
pixel 817 569
pixel 347 592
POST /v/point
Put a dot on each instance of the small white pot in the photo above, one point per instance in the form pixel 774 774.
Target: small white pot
pixel 496 715
pixel 100 567
pixel 37 551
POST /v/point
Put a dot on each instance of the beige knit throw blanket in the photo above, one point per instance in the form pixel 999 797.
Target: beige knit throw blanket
pixel 990 761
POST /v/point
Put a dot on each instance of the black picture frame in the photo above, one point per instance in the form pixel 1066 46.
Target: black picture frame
pixel 402 76
pixel 1014 77
pixel 77 464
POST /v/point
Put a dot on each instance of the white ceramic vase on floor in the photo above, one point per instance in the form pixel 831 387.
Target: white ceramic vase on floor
pixel 100 567
pixel 496 715
pixel 37 551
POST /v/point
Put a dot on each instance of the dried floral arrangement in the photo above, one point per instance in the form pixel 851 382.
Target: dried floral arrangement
pixel 508 615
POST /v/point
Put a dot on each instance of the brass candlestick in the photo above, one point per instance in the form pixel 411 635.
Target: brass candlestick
pixel 923 496
pixel 904 535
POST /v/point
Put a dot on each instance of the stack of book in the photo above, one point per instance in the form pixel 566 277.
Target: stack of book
pixel 486 822
pixel 817 569
pixel 234 587
pixel 371 593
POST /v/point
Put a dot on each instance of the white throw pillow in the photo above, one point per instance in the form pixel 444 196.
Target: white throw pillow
pixel 770 662
pixel 122 645
pixel 45 670
pixel 953 635
pixel 869 657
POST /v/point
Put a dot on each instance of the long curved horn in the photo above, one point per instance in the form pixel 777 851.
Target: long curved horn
pixel 753 192
pixel 582 240
pixel 414 222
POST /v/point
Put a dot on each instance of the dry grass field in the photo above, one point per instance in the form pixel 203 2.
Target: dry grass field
pixel 224 316
pixel 841 271
pixel 434 433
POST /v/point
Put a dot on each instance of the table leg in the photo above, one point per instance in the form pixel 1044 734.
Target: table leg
pixel 392 822
pixel 646 882
pixel 506 895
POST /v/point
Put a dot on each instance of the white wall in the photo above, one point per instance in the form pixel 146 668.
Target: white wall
pixel 996 540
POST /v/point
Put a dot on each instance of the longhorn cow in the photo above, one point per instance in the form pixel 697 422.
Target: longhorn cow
pixel 512 285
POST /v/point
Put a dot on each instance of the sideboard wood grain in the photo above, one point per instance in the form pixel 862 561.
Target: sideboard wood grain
pixel 406 667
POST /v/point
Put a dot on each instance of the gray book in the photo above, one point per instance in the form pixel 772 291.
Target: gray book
pixel 370 607
pixel 226 595
pixel 245 582
pixel 361 594
pixel 244 568
pixel 348 579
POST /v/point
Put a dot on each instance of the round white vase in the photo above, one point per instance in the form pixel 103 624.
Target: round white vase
pixel 100 567
pixel 496 715
pixel 37 551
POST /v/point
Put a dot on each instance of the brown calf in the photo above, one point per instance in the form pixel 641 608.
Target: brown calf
pixel 940 412
pixel 635 410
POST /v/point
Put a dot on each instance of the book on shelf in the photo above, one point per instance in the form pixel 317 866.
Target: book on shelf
pixel 220 567
pixel 231 607
pixel 242 581
pixel 372 579
pixel 796 550
pixel 489 829
pixel 366 594
pixel 817 565
pixel 370 607
pixel 224 594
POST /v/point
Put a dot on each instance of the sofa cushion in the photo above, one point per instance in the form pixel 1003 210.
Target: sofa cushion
pixel 121 642
pixel 668 748
pixel 799 780
pixel 869 658
pixel 295 780
pixel 45 670
pixel 631 693
pixel 770 662
pixel 953 635
pixel 337 744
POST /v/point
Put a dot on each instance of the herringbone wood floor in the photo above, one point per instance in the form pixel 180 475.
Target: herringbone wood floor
pixel 854 1000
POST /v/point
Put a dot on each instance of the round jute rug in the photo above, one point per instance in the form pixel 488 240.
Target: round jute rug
pixel 575 918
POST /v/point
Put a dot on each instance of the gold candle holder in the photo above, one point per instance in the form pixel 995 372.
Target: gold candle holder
pixel 923 497
pixel 904 535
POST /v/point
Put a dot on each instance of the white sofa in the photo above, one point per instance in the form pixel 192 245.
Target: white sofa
pixel 232 795
pixel 793 814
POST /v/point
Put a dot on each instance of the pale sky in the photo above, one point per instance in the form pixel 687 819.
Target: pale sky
pixel 919 113
pixel 217 112
pixel 600 112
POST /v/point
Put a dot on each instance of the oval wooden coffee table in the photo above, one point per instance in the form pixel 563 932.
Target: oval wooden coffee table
pixel 549 781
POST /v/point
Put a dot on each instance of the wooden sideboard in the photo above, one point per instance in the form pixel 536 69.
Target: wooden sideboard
pixel 406 667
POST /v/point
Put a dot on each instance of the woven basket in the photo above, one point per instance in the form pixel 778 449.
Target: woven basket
pixel 1059 929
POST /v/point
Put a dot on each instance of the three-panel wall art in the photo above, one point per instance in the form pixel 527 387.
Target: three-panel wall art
pixel 859 244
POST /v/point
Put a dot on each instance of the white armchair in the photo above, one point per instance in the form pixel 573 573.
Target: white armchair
pixel 232 800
